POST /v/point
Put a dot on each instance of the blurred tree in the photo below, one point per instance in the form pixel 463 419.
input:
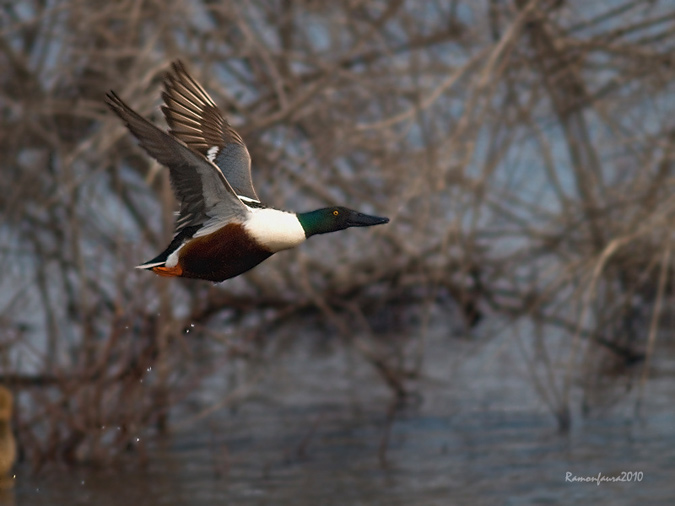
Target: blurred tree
pixel 524 150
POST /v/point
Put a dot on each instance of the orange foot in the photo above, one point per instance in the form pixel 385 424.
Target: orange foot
pixel 168 272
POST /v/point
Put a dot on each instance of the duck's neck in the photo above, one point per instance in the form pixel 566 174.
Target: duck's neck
pixel 314 222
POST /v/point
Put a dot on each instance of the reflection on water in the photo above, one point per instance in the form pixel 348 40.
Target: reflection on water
pixel 478 436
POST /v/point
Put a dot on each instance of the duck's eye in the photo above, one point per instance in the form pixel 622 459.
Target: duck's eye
pixel 336 212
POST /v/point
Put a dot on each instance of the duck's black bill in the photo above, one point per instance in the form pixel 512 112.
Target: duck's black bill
pixel 365 220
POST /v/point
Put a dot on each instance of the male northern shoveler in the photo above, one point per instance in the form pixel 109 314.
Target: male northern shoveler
pixel 222 229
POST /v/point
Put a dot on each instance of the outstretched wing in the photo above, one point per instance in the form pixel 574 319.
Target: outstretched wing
pixel 204 194
pixel 195 119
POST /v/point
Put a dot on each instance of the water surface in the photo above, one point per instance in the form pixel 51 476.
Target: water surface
pixel 477 435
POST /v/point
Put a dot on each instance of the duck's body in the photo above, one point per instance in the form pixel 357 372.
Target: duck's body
pixel 231 249
pixel 222 229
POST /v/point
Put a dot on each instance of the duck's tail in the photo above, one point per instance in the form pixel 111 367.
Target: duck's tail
pixel 161 269
pixel 150 265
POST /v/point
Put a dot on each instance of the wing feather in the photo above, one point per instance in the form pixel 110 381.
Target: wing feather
pixel 206 198
pixel 195 119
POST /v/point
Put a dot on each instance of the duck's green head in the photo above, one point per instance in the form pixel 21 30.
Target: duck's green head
pixel 332 219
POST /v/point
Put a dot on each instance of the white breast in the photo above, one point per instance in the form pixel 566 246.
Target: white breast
pixel 274 229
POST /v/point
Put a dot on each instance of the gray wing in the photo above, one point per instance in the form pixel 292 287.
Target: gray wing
pixel 195 119
pixel 202 190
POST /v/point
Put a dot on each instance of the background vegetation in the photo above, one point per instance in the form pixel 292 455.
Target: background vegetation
pixel 523 150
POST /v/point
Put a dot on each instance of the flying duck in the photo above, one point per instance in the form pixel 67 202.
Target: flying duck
pixel 222 229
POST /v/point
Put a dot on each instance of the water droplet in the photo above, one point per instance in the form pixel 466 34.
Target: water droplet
pixel 149 369
pixel 138 439
pixel 192 325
